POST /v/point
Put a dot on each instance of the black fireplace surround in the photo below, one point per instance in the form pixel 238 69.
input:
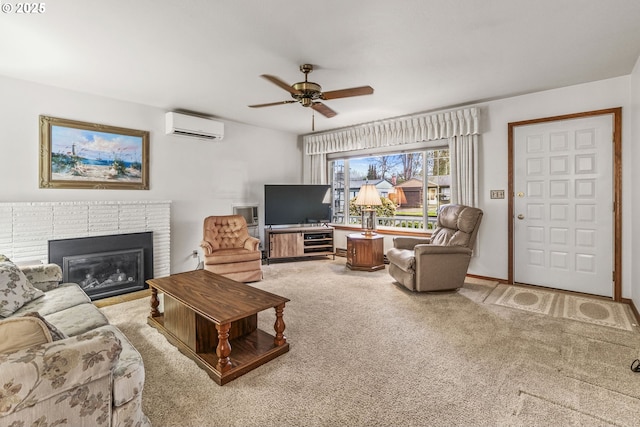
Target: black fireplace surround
pixel 105 266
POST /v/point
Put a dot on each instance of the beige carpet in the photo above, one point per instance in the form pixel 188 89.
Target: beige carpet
pixel 581 308
pixel 366 352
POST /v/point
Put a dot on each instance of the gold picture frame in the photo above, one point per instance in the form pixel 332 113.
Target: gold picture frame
pixel 76 154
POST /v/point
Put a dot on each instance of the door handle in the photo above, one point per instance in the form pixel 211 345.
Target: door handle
pixel 520 216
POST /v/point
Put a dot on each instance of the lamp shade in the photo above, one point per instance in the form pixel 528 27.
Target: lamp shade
pixel 368 196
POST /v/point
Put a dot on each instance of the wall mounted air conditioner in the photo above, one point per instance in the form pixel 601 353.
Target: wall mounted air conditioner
pixel 193 126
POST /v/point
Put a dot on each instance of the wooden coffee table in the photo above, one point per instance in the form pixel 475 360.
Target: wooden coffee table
pixel 214 321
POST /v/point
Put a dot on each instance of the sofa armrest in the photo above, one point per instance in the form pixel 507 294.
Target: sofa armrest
pixel 43 276
pixel 409 242
pixel 62 369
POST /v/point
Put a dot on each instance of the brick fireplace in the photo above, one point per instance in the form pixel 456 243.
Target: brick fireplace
pixel 27 227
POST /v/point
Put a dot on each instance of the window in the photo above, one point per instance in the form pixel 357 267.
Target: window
pixel 412 185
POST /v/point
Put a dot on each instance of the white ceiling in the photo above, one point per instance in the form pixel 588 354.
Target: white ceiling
pixel 419 55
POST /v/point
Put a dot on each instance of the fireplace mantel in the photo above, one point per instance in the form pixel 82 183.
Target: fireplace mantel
pixel 26 227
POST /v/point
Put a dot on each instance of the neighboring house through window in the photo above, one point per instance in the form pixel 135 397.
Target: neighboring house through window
pixel 412 185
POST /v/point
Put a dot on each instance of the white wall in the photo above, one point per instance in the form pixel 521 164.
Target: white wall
pixel 492 259
pixel 200 178
pixel 632 225
pixel 205 178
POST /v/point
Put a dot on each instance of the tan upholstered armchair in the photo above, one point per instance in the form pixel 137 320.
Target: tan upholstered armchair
pixel 440 262
pixel 229 250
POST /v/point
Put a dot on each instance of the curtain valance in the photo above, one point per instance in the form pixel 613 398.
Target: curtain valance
pixel 405 130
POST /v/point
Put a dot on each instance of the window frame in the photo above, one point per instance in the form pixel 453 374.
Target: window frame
pixel 422 147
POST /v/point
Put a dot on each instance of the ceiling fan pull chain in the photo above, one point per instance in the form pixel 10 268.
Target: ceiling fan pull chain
pixel 313 121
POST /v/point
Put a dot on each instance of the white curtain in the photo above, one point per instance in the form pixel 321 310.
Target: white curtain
pixel 318 171
pixel 463 156
pixel 395 132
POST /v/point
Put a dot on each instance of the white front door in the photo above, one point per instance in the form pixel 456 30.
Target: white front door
pixel 563 204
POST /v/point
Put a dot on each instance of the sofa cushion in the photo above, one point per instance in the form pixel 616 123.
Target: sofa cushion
pixel 128 376
pixel 78 319
pixel 17 333
pixel 15 289
pixel 64 296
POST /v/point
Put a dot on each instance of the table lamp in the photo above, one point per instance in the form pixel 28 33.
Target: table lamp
pixel 368 196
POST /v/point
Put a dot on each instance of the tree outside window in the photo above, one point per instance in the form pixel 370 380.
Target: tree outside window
pixel 411 185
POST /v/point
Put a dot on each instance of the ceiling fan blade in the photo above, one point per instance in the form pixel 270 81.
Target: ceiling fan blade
pixel 323 109
pixel 344 93
pixel 276 81
pixel 271 104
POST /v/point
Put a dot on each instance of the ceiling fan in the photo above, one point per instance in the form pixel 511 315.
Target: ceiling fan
pixel 307 93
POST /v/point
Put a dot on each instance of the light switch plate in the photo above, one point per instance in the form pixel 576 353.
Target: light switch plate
pixel 497 194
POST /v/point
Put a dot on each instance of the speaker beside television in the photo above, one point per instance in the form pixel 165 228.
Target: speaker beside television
pixel 301 204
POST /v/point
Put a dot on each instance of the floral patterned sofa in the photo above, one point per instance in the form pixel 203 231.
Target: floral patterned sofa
pixel 61 362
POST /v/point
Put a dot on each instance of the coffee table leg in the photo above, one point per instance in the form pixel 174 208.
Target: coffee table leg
pixel 155 302
pixel 279 326
pixel 224 348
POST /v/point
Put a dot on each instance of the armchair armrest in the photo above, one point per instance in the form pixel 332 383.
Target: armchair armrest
pixel 438 249
pixel 38 373
pixel 43 276
pixel 252 243
pixel 206 247
pixel 409 242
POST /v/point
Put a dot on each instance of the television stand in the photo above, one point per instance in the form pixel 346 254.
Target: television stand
pixel 299 242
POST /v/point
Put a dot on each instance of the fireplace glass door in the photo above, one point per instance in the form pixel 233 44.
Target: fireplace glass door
pixel 106 273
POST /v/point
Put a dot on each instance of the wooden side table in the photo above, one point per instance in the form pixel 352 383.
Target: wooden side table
pixel 365 252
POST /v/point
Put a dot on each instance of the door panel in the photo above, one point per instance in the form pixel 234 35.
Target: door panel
pixel 563 204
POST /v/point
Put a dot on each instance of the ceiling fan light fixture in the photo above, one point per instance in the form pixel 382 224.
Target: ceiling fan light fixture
pixel 310 87
pixel 307 93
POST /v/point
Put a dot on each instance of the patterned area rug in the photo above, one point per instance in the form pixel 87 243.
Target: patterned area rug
pixel 605 313
pixel 527 299
pixel 580 308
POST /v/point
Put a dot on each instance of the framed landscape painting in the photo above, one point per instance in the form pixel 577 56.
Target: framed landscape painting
pixel 76 154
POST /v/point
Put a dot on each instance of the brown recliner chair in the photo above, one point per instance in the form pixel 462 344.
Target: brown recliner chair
pixel 440 262
pixel 229 250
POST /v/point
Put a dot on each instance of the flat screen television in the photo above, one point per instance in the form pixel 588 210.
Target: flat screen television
pixel 297 204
